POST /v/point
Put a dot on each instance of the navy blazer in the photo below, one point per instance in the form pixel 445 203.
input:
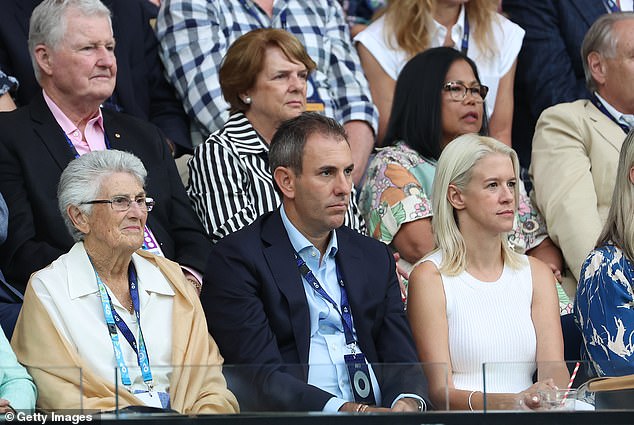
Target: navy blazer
pixel 550 67
pixel 141 89
pixel 33 153
pixel 258 314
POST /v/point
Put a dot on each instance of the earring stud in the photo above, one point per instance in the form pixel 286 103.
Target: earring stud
pixel 247 100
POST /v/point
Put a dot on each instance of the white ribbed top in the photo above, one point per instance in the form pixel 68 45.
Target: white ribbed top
pixel 490 322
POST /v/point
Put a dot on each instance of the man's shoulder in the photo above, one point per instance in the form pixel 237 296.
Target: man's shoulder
pixel 250 236
pixel 370 245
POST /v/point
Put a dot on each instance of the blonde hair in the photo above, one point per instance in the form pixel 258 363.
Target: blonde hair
pixel 619 228
pixel 455 166
pixel 409 23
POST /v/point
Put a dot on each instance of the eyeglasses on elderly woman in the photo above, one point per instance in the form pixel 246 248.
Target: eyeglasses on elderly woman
pixel 458 91
pixel 122 203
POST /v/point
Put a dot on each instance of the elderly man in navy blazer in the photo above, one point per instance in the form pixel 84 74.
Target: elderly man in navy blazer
pixel 298 288
pixel 77 70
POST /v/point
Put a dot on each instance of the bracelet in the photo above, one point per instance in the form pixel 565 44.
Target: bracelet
pixel 362 408
pixel 469 400
pixel 195 283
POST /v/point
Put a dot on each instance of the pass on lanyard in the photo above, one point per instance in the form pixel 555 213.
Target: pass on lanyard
pixel 612 6
pixel 465 34
pixel 114 321
pixel 601 107
pixel 344 312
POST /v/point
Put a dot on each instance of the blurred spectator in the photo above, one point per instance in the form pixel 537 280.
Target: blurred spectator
pixel 195 36
pixel 10 298
pixel 141 89
pixel 359 13
pixel 576 145
pixel 17 391
pixel 408 27
pixel 8 86
pixel 64 121
pixel 263 77
pixel 605 296
pixel 549 67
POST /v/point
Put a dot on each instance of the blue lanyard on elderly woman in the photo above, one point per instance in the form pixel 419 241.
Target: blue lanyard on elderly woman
pixel 114 321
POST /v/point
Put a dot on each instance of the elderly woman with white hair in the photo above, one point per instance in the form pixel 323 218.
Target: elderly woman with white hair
pixel 109 306
pixel 474 300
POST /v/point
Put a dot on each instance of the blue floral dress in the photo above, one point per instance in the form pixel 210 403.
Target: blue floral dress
pixel 604 311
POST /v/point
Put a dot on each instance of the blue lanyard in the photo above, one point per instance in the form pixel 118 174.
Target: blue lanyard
pixel 611 6
pixel 114 321
pixel 257 17
pixel 465 34
pixel 74 151
pixel 344 311
pixel 601 107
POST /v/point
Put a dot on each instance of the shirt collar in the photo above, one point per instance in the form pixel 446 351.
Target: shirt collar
pixel 82 280
pixel 457 31
pixel 300 242
pixel 67 125
pixel 620 117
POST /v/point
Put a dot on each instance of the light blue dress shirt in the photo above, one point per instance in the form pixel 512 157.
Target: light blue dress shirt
pixel 327 369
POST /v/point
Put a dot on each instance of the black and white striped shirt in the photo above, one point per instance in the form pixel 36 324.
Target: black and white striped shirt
pixel 230 184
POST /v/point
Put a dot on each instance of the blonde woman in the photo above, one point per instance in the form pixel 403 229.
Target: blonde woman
pixel 408 27
pixel 474 300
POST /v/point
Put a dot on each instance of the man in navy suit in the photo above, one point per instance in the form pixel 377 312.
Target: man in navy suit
pixel 77 71
pixel 298 288
pixel 141 89
pixel 550 66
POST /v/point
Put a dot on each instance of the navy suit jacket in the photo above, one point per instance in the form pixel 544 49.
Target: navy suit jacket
pixel 33 154
pixel 550 67
pixel 258 314
pixel 141 88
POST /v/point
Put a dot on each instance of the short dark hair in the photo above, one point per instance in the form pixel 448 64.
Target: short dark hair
pixel 416 109
pixel 287 145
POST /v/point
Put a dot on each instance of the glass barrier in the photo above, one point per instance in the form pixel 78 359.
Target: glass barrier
pixel 44 394
pixel 531 386
pixel 279 388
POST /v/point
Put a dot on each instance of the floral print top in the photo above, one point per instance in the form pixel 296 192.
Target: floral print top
pixel 604 311
pixel 397 190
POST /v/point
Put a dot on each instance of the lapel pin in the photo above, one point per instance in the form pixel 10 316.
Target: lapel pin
pixel 117 136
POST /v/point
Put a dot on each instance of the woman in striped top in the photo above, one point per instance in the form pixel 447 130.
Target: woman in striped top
pixel 264 79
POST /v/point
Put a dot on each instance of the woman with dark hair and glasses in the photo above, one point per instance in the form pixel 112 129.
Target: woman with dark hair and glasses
pixel 124 317
pixel 438 97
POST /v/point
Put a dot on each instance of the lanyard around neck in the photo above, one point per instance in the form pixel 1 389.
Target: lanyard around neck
pixel 114 321
pixel 601 107
pixel 344 311
pixel 465 34
pixel 74 150
pixel 612 6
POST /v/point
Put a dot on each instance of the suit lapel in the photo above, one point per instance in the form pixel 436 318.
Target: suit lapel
pixel 50 133
pixel 607 128
pixel 278 253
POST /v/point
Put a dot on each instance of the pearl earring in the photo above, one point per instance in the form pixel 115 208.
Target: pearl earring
pixel 247 100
